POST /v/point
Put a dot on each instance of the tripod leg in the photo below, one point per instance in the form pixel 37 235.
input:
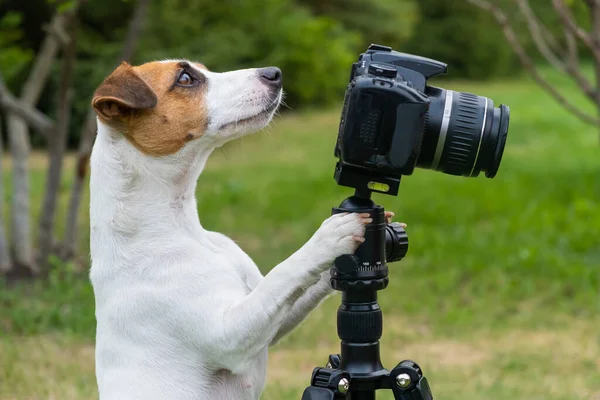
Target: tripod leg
pixel 317 393
pixel 362 395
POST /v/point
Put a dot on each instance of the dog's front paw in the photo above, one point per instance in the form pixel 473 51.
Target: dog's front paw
pixel 340 234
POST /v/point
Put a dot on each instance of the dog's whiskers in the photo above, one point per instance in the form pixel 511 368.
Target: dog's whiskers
pixel 224 153
pixel 283 103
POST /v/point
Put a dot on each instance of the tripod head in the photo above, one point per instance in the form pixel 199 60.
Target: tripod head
pixel 357 372
pixel 367 268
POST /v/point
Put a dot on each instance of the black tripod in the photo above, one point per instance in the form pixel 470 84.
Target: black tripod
pixel 357 372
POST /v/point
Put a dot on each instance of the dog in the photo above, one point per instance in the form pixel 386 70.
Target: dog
pixel 182 312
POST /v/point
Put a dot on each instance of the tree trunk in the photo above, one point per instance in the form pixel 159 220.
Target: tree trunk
pixel 18 138
pixel 56 149
pixel 88 133
pixel 34 118
pixel 18 135
pixel 5 262
pixel 83 155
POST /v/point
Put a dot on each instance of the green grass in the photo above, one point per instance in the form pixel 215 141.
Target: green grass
pixel 498 297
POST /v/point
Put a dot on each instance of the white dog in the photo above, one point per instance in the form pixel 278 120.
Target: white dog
pixel 182 312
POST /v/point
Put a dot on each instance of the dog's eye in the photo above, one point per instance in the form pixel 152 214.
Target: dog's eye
pixel 185 79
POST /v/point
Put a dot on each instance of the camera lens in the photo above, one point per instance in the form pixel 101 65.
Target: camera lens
pixel 464 134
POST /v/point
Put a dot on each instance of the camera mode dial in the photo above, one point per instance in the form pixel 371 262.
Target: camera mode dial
pixel 385 71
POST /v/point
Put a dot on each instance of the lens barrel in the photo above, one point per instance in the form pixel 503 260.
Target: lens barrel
pixel 464 134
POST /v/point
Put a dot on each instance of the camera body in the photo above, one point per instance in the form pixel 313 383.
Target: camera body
pixel 392 122
pixel 384 110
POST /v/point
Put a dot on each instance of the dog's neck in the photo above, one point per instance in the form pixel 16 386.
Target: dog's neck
pixel 134 198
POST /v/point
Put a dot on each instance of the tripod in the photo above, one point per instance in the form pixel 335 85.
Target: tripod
pixel 357 372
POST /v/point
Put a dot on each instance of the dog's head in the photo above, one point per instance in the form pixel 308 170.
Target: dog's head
pixel 161 107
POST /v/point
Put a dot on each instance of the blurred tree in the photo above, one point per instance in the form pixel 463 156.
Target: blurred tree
pixel 19 143
pixel 57 141
pixel 12 60
pixel 562 55
pixel 5 259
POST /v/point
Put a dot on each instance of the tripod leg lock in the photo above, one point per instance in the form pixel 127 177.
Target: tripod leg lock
pixel 408 382
pixel 327 384
pixel 334 361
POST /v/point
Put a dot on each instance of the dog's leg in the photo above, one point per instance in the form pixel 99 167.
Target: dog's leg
pixel 309 300
pixel 238 332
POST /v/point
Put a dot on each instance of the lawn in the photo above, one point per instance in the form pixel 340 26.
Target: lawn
pixel 498 297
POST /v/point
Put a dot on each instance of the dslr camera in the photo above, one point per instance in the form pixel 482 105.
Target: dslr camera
pixel 392 122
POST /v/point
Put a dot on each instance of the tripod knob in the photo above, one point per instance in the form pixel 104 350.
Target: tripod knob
pixel 396 242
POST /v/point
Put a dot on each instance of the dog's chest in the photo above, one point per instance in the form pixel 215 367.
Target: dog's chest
pixel 247 385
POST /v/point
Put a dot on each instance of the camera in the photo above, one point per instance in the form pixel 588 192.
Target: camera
pixel 393 122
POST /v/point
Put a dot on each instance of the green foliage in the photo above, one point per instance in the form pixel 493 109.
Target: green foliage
pixel 13 57
pixel 62 6
pixel 387 22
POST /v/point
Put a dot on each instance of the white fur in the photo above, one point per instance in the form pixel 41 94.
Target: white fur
pixel 182 312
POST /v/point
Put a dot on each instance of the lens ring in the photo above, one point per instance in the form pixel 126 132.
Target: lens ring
pixel 501 143
pixel 485 112
pixel 439 150
pixel 464 134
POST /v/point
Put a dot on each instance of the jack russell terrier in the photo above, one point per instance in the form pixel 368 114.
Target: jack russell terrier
pixel 183 313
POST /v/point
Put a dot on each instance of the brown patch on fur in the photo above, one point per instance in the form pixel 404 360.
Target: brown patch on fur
pixel 122 93
pixel 157 128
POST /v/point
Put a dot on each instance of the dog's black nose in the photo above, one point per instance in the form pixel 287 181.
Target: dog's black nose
pixel 271 76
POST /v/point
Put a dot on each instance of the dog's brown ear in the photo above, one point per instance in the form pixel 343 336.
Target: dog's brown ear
pixel 121 93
